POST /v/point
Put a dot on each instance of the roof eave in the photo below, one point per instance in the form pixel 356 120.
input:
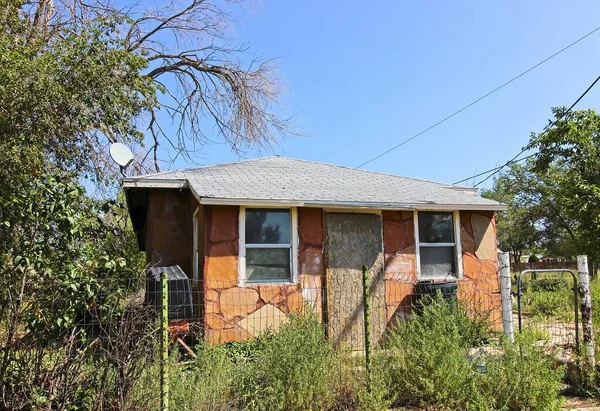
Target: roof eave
pixel 154 183
pixel 350 204
pixel 182 183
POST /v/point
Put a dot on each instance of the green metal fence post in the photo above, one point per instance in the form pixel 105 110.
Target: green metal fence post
pixel 367 319
pixel 164 343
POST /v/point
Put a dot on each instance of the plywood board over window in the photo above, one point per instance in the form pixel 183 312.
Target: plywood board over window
pixel 353 240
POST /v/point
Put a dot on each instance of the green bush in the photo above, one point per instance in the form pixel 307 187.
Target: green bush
pixel 533 259
pixel 524 377
pixel 545 303
pixel 427 361
pixel 296 369
pixel 426 364
pixel 550 284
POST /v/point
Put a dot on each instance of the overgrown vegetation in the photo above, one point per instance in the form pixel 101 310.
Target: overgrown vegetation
pixel 429 362
pixel 296 368
pixel 548 297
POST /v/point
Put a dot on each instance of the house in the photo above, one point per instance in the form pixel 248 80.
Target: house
pixel 266 237
pixel 552 259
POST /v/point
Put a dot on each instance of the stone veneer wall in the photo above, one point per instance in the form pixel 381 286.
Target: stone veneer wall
pixel 400 271
pixel 234 313
pixel 479 285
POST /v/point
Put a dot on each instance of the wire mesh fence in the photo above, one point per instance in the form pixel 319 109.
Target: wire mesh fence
pixel 224 312
pixel 106 352
pixel 87 350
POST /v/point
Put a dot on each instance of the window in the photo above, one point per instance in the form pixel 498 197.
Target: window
pixel 267 245
pixel 438 248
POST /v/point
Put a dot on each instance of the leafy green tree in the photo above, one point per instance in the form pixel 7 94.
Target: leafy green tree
pixel 568 162
pixel 69 255
pixel 516 227
pixel 555 195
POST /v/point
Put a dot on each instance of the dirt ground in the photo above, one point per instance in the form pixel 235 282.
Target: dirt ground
pixel 570 403
pixel 581 404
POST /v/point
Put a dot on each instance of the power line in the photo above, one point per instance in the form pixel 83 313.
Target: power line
pixel 493 169
pixel 480 98
pixel 498 169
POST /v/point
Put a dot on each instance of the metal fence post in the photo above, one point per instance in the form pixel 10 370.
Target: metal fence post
pixel 164 343
pixel 506 296
pixel 585 298
pixel 367 319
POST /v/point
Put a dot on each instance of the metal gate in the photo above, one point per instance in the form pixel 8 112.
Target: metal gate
pixel 543 300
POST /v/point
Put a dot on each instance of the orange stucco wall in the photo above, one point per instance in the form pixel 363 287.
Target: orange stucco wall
pixel 237 313
pixel 229 312
pixel 479 286
pixel 400 262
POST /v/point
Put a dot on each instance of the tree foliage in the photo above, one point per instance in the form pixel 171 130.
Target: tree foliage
pixel 516 227
pixel 555 195
pixel 76 76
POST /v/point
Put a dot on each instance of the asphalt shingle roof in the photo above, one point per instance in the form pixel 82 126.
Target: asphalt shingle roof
pixel 286 179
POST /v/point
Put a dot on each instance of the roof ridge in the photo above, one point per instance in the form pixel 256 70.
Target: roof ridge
pixel 275 156
pixel 445 185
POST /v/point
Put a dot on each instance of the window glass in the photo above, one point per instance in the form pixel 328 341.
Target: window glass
pixel 435 227
pixel 267 264
pixel 436 261
pixel 267 226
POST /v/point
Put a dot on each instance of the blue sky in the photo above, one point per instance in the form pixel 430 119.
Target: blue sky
pixel 363 76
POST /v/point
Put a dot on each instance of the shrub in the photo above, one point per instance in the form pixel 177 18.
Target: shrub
pixel 545 303
pixel 550 284
pixel 533 259
pixel 524 377
pixel 427 361
pixel 426 364
pixel 295 370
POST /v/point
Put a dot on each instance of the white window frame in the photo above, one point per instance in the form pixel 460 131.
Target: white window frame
pixel 242 280
pixel 456 244
pixel 196 252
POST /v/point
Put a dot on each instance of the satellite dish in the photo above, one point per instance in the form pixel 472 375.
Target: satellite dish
pixel 121 154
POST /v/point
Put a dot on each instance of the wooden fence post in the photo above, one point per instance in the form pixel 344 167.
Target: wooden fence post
pixel 585 298
pixel 506 296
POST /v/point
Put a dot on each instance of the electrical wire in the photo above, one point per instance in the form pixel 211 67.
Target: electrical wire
pixel 493 169
pixel 480 98
pixel 498 169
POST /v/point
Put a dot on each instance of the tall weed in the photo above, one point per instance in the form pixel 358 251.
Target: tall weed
pixel 295 370
pixel 427 359
pixel 524 377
